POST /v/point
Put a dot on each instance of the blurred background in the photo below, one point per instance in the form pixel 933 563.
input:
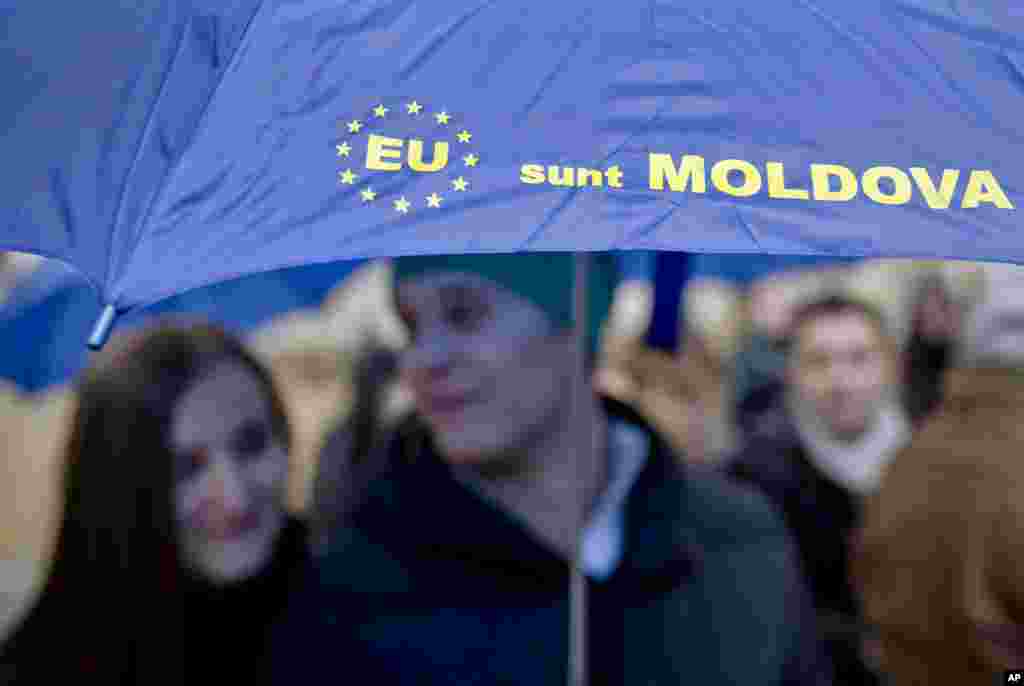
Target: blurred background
pixel 716 323
pixel 697 344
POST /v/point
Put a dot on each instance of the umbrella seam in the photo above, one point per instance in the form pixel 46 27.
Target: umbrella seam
pixel 53 256
pixel 147 131
pixel 135 162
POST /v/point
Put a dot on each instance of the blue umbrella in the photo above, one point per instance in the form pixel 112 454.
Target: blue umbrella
pixel 48 316
pixel 43 324
pixel 160 145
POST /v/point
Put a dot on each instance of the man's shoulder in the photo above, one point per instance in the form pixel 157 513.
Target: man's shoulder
pixel 716 505
pixel 726 512
pixel 354 562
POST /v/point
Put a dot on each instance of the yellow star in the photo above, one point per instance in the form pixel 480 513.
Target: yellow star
pixel 402 205
pixel 414 107
pixel 442 118
pixel 460 183
pixel 354 126
pixel 380 111
pixel 471 160
pixel 464 136
pixel 347 176
pixel 344 149
pixel 368 194
pixel 433 200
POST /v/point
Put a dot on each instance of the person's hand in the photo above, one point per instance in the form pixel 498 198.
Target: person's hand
pixel 614 375
pixel 657 386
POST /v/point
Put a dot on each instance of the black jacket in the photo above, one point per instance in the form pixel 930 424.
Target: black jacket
pixel 822 516
pixel 429 584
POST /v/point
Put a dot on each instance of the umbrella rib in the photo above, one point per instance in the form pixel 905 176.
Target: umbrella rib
pixel 148 131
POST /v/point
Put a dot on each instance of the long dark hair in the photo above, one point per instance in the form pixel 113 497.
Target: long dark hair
pixel 112 590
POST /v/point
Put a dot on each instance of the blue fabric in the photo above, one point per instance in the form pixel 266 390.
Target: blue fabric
pixel 744 270
pixel 47 317
pixel 637 265
pixel 43 324
pixel 162 145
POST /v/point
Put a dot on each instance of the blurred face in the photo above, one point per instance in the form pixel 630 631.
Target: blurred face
pixel 841 370
pixel 487 372
pixel 230 475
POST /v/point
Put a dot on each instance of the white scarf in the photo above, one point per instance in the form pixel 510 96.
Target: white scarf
pixel 857 465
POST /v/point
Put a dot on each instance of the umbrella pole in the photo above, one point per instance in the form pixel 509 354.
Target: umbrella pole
pixel 578 580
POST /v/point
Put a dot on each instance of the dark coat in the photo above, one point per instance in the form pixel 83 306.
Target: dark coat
pixel 823 517
pixel 758 413
pixel 430 584
pixel 226 632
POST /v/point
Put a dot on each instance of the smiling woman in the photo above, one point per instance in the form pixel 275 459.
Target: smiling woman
pixel 174 552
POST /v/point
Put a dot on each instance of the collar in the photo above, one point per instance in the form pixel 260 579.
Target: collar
pixel 603 539
pixel 420 512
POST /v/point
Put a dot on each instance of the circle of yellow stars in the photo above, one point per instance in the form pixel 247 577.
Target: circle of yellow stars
pixel 402 205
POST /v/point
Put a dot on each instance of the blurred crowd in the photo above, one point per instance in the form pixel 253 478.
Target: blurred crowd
pixel 438 473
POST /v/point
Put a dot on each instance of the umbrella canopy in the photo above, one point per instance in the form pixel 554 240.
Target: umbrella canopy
pixel 49 315
pixel 165 145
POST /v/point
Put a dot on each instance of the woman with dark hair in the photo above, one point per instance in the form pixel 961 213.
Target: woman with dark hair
pixel 175 554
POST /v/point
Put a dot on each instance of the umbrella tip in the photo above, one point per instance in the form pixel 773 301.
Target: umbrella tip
pixel 104 325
